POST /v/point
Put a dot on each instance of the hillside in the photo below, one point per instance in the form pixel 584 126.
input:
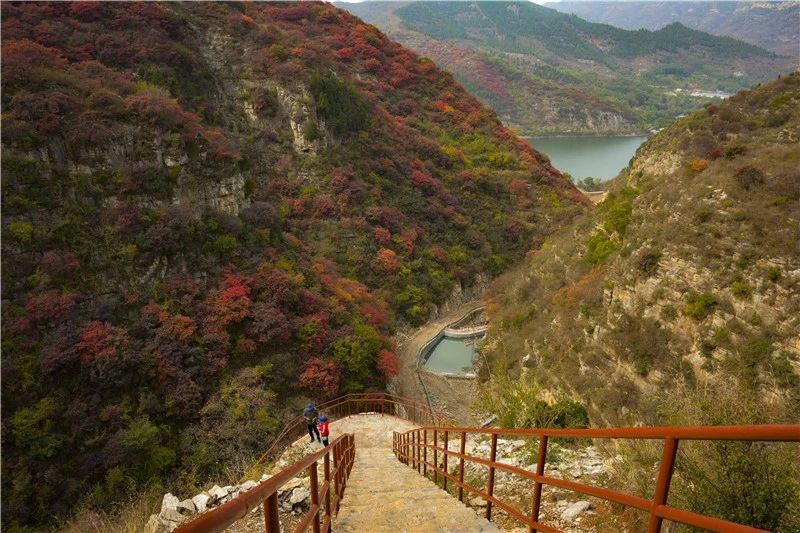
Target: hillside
pixel 214 211
pixel 676 301
pixel 547 72
pixel 771 25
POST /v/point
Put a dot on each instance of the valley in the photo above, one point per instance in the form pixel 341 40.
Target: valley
pixel 214 214
pixel 547 73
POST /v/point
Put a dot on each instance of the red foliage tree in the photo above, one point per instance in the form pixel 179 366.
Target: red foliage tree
pixel 386 261
pixel 388 363
pixel 49 306
pixel 59 263
pixel 382 236
pixel 518 187
pixel 321 377
pixel 100 340
pixel 269 325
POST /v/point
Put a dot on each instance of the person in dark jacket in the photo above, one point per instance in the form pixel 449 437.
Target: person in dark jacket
pixel 310 414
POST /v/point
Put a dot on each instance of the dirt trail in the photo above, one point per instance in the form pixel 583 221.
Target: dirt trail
pixel 453 396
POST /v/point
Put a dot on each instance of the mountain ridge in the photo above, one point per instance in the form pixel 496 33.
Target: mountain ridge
pixel 526 60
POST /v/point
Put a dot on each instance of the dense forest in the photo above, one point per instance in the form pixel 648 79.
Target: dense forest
pixel 212 212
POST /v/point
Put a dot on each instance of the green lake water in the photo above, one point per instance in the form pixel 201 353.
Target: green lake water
pixel 453 355
pixel 598 157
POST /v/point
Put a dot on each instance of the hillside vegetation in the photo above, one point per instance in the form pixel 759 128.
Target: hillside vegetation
pixel 213 211
pixel 546 72
pixel 677 301
pixel 771 25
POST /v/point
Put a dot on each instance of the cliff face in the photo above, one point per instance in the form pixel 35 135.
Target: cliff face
pixel 687 278
pixel 211 211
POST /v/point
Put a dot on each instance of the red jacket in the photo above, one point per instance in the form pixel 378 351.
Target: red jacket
pixel 323 428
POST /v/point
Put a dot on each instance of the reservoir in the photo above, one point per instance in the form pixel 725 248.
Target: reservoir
pixel 453 356
pixel 598 157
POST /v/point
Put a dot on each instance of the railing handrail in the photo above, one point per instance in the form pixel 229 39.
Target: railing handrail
pixel 753 432
pixel 298 422
pixel 412 447
pixel 342 449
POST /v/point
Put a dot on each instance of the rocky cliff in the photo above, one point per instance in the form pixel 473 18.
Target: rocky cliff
pixel 675 302
pixel 686 275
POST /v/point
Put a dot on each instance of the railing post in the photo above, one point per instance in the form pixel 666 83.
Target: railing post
pixel 312 475
pixel 490 480
pixel 272 523
pixel 537 486
pixel 446 449
pixel 425 452
pixel 662 484
pixel 327 474
pixel 337 471
pixel 461 450
pixel 435 456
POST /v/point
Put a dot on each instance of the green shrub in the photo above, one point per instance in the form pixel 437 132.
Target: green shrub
pixel 618 207
pixel 741 290
pixel 699 305
pixel 311 131
pixel 22 231
pixel 734 151
pixel 773 274
pixel 598 249
pixel 339 103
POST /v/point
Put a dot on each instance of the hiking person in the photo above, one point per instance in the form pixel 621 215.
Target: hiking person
pixel 310 414
pixel 322 426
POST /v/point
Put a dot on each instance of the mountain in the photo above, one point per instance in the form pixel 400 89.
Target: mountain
pixel 675 302
pixel 771 25
pixel 214 212
pixel 689 272
pixel 547 72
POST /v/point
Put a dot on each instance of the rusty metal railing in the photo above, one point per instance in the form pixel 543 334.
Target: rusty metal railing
pixel 413 448
pixel 325 498
pixel 341 453
pixel 378 402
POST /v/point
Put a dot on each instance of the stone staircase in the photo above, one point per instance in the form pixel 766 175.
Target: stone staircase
pixel 385 495
pixel 382 494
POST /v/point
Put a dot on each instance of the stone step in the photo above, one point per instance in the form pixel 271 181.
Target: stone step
pixel 384 494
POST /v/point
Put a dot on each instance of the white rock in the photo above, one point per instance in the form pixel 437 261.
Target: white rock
pixel 171 515
pixel 477 501
pixel 228 489
pixel 186 507
pixel 247 485
pixel 201 501
pixel 217 493
pixel 574 509
pixel 299 495
pixel 169 502
pixel 518 443
pixel 264 477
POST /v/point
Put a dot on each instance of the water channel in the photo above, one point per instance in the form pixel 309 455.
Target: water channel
pixel 598 157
